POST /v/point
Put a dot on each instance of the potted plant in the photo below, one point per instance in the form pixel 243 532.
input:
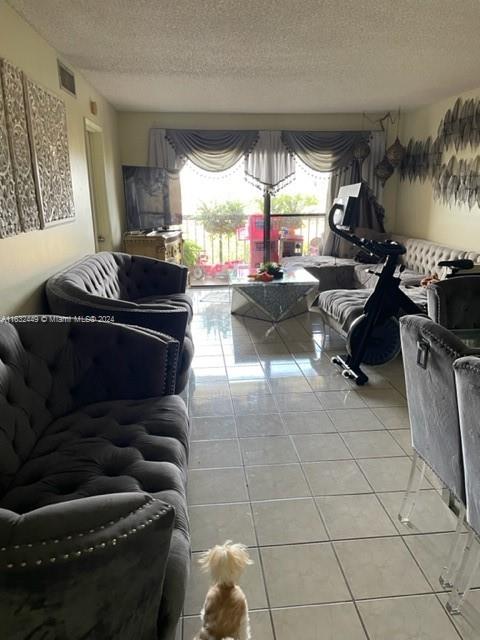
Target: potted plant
pixel 272 268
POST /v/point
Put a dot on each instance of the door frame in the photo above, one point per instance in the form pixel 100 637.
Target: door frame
pixel 95 155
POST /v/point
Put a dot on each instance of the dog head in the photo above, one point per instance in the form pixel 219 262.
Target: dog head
pixel 225 562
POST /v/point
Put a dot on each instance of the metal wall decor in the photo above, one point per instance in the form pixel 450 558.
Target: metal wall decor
pixel 9 217
pixel 51 158
pixel 460 126
pixel 456 181
pixel 16 119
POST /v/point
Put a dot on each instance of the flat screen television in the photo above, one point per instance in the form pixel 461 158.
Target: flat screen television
pixel 153 198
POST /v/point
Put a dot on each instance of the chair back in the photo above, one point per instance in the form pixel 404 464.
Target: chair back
pixel 429 351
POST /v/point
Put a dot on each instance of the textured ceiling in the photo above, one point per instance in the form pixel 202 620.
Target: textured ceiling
pixel 273 56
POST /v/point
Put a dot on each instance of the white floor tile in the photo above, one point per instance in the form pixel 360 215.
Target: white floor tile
pixel 430 514
pixel 287 402
pixel 244 405
pixel 213 428
pixel 276 481
pixel 213 524
pixel 372 444
pixel 325 446
pixel 288 522
pixel 324 622
pixel 355 420
pixel 388 474
pixel 335 477
pixel 303 574
pixel 207 454
pixel 260 424
pixel 407 618
pixel 268 450
pixel 211 486
pixel 355 516
pixel 380 567
pixel 346 399
pixel 313 422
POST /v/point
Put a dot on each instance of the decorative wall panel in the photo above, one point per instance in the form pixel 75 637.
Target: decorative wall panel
pixel 16 118
pixel 9 217
pixel 51 159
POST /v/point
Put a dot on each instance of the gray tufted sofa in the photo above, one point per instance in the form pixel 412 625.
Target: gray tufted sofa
pixel 340 305
pixel 94 540
pixel 134 290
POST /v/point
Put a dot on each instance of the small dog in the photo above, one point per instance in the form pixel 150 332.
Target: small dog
pixel 225 611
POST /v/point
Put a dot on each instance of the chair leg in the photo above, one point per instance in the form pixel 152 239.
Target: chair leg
pixel 450 570
pixel 415 481
pixel 465 574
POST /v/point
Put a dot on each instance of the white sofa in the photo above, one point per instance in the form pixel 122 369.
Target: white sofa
pixel 345 285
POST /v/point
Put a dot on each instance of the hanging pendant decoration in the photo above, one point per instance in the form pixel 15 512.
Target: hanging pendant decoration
pixel 384 170
pixel 395 153
pixel 361 150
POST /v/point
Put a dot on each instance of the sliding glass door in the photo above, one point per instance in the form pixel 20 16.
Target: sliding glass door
pixel 225 218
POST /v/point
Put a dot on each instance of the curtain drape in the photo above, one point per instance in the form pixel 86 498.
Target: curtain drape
pixel 212 150
pixel 327 151
pixel 269 161
pixel 269 164
pixel 377 151
pixel 161 153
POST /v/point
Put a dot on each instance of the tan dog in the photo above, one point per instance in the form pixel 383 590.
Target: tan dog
pixel 225 611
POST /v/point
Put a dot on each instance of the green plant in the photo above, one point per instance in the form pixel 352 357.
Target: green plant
pixel 270 267
pixel 222 218
pixel 191 252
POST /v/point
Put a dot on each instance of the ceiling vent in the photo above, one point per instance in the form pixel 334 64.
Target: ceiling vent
pixel 66 78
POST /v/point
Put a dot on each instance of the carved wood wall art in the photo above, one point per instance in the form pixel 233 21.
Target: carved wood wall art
pixel 9 217
pixel 51 159
pixel 35 176
pixel 16 118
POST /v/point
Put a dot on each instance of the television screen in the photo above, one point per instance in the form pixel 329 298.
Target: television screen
pixel 153 198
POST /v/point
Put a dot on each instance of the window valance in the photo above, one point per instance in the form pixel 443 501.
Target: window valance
pixel 269 156
pixel 327 151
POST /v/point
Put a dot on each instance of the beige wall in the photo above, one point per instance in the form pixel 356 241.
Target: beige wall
pixel 28 259
pixel 417 213
pixel 134 128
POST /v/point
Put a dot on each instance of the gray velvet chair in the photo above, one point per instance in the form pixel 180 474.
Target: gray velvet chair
pixel 467 377
pixel 455 302
pixel 94 540
pixel 133 290
pixel 429 351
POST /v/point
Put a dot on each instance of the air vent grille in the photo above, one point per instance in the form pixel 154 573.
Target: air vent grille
pixel 66 78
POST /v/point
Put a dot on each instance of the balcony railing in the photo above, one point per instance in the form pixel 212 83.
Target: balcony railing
pixel 222 253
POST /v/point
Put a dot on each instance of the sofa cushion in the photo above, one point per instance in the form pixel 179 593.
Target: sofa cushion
pixel 178 299
pixel 345 305
pixel 364 279
pixel 105 448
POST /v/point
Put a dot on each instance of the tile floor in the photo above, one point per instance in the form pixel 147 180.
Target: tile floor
pixel 308 471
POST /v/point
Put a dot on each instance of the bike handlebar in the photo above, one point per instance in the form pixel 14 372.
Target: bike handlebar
pixel 378 248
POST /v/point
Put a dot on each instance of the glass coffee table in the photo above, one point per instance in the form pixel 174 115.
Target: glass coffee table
pixel 470 337
pixel 273 301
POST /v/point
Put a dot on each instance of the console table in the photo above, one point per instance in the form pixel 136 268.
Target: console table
pixel 162 245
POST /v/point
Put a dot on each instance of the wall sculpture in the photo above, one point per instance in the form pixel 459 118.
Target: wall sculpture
pixel 35 177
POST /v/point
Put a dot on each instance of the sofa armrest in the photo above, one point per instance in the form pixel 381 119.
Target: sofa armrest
pixel 88 568
pixel 455 302
pixel 87 362
pixel 165 318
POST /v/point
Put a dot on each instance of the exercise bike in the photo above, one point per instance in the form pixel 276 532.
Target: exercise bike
pixel 374 337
